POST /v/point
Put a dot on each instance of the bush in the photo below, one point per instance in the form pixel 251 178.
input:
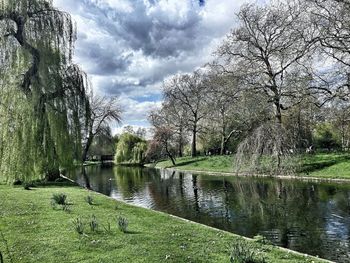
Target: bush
pixel 89 199
pixel 242 252
pixel 59 199
pixel 78 225
pixel 123 224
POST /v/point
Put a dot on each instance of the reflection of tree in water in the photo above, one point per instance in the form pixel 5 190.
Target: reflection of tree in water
pixel 289 213
pixel 130 180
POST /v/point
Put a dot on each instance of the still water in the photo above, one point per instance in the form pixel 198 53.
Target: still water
pixel 312 218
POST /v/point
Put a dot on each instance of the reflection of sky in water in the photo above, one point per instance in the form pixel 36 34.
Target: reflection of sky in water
pixel 308 217
pixel 337 227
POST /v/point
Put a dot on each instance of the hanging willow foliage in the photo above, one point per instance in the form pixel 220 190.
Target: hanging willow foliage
pixel 43 95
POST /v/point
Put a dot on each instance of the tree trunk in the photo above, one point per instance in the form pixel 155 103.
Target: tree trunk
pixel 194 141
pixel 86 178
pixel 223 131
pixel 87 147
pixel 170 155
pixel 279 128
pixel 180 153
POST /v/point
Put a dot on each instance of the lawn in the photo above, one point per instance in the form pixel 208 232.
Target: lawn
pixel 32 231
pixel 201 163
pixel 321 165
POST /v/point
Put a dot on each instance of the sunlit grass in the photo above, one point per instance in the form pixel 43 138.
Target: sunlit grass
pixel 32 231
pixel 323 165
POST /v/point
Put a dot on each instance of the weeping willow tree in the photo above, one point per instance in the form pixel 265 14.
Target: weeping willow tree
pixel 43 102
pixel 131 149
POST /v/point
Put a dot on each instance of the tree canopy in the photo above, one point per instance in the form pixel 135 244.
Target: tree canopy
pixel 43 103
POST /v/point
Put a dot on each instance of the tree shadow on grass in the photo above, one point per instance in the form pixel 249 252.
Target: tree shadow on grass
pixel 319 165
pixel 132 232
pixel 190 162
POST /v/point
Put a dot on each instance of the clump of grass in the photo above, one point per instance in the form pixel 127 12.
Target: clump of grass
pixel 59 199
pixel 93 224
pixel 66 208
pixel 89 199
pixel 108 227
pixel 243 252
pixel 78 225
pixel 123 224
pixel 53 204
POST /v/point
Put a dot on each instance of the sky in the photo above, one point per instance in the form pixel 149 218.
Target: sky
pixel 129 47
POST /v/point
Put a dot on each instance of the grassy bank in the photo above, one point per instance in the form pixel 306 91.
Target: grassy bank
pixel 32 231
pixel 322 165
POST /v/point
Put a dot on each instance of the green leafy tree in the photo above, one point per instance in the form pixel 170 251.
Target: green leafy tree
pixel 43 104
pixel 130 149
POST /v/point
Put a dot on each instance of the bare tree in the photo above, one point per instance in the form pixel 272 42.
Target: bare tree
pixel 162 144
pixel 172 115
pixel 332 19
pixel 103 110
pixel 223 94
pixel 270 51
pixel 189 91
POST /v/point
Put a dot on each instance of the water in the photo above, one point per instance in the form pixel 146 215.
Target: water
pixel 308 217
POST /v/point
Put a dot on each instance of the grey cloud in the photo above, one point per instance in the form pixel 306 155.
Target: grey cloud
pixel 154 33
pixel 129 51
pixel 103 61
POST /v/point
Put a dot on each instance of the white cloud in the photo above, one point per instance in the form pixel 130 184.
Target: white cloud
pixel 128 47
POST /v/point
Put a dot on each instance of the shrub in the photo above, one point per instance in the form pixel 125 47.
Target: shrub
pixel 123 224
pixel 60 199
pixel 89 199
pixel 93 223
pixel 78 225
pixel 243 252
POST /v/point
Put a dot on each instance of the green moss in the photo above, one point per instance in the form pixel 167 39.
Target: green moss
pixel 34 232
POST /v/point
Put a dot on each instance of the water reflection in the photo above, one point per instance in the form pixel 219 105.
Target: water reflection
pixel 312 218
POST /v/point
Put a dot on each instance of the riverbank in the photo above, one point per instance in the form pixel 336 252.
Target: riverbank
pixel 32 231
pixel 322 166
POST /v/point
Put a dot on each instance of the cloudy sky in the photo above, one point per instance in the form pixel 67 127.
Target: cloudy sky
pixel 128 47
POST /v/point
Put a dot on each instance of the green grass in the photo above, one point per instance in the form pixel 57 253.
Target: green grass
pixel 32 231
pixel 321 165
pixel 326 165
pixel 202 163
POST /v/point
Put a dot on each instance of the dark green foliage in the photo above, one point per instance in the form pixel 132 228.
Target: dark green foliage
pixel 59 199
pixel 122 224
pixel 243 252
pixel 326 138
